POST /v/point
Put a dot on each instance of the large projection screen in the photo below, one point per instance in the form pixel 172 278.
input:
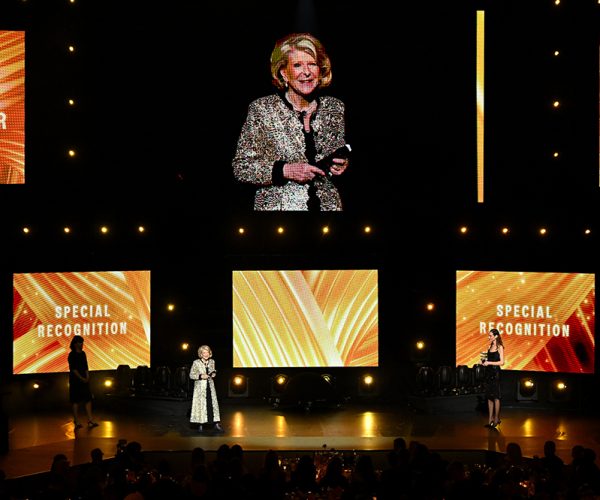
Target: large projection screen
pixel 12 107
pixel 546 320
pixel 326 318
pixel 109 309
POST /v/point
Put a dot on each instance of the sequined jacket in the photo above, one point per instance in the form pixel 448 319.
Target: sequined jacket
pixel 273 132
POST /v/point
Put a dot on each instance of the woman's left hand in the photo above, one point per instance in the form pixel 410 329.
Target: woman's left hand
pixel 339 165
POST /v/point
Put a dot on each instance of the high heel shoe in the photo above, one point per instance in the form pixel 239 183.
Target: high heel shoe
pixel 200 429
pixel 92 424
pixel 219 428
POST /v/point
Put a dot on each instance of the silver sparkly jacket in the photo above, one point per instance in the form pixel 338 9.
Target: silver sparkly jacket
pixel 273 132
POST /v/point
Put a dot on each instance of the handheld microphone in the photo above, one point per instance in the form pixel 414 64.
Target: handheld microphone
pixel 326 163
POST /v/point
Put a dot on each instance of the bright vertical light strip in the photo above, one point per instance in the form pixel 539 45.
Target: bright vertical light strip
pixel 480 65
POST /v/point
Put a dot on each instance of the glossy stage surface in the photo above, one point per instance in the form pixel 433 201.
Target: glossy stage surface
pixel 34 439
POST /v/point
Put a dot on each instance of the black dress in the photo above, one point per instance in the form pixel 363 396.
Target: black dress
pixel 492 377
pixel 79 391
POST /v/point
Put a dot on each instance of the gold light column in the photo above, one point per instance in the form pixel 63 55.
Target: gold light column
pixel 480 65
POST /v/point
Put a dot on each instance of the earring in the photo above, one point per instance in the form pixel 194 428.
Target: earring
pixel 286 84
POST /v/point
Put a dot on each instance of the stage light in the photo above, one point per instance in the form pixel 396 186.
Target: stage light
pixel 35 385
pixel 555 154
pixel 67 229
pixel 527 389
pixel 367 385
pixel 162 380
pixel 238 386
pixel 71 102
pixel 305 390
pixel 419 352
pixel 279 383
pixel 124 379
pixel 141 229
pixel 464 379
pixel 280 230
pixel 557 52
pixel 325 229
pixel 185 346
pixel 463 230
pixel 142 379
pixel 587 231
pixel 504 230
pixel 556 2
pixel 26 230
pixel 430 306
pixel 241 230
pixel 560 391
pixel 104 230
pixel 543 231
pixel 327 378
pixel 71 48
pixel 71 153
pixel 445 380
pixel 108 385
pixel 556 104
pixel 170 307
pixel 182 381
pixel 367 229
pixel 425 381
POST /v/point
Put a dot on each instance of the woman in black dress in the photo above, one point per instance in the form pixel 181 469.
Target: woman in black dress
pixel 79 382
pixel 495 359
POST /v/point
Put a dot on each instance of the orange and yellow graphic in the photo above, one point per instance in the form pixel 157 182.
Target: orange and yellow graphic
pixel 546 320
pixel 110 310
pixel 12 107
pixel 305 318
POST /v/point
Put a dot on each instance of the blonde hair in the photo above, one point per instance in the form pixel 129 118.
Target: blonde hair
pixel 204 348
pixel 303 42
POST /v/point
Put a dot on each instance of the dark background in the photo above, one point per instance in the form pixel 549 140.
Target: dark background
pixel 162 90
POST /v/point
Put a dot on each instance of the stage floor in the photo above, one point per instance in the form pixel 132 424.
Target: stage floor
pixel 34 439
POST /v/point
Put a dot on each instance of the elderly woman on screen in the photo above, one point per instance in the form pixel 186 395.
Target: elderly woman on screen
pixel 285 134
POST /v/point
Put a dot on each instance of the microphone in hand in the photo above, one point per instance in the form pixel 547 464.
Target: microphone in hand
pixel 326 163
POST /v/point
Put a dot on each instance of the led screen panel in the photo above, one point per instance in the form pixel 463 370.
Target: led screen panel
pixel 546 320
pixel 109 309
pixel 12 107
pixel 305 318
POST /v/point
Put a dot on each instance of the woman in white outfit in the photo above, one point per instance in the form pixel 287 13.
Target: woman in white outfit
pixel 205 406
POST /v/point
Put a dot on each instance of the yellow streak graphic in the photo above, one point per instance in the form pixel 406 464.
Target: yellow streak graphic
pixel 480 72
pixel 305 318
